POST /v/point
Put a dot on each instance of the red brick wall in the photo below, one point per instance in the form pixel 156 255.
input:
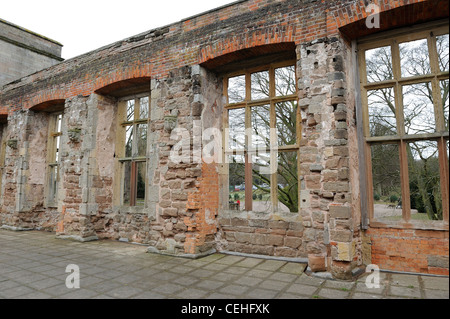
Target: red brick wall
pixel 410 250
pixel 204 203
pixel 194 41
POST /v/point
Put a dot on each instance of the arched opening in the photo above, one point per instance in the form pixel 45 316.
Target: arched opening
pixel 408 15
pixel 49 106
pixel 126 87
pixel 251 57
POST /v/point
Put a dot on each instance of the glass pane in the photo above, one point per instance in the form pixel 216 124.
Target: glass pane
pixel 142 130
pixel 262 202
pixel 129 141
pixel 140 187
pixel 445 102
pixel 286 122
pixel 260 85
pixel 443 49
pixel 236 124
pixel 387 188
pixel 418 109
pixel 143 108
pixel 261 127
pixel 126 183
pixel 424 180
pixel 130 111
pixel 236 182
pixel 287 180
pixel 382 119
pixel 57 148
pixel 414 58
pixel 285 81
pixel 54 171
pixel 379 64
pixel 236 89
pixel 59 124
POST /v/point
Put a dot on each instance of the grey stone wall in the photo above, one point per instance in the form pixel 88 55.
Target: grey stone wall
pixel 23 52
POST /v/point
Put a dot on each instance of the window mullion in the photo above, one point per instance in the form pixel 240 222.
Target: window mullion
pixel 133 186
pixel 248 155
pixel 443 170
pixel 404 177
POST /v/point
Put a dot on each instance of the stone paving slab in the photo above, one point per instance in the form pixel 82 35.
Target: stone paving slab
pixel 33 266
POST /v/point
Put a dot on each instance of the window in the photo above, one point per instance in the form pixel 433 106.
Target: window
pixel 133 120
pixel 404 83
pixel 262 137
pixel 53 158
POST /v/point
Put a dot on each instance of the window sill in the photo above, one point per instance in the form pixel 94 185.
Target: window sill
pixel 226 213
pixel 437 225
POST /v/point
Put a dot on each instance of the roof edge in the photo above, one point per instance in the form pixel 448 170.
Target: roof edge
pixel 30 32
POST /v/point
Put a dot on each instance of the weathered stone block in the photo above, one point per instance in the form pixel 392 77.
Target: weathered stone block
pixel 341 235
pixel 340 211
pixel 317 263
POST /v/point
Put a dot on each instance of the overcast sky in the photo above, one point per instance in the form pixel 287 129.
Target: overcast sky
pixel 85 25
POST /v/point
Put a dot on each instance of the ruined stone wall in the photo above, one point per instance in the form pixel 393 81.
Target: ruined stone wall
pixel 184 212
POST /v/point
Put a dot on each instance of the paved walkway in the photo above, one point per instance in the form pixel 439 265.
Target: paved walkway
pixel 33 266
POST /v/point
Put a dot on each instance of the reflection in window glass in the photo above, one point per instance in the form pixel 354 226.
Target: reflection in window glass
pixel 260 85
pixel 54 171
pixel 126 183
pixel 386 182
pixel 382 120
pixel 236 183
pixel 286 122
pixel 424 180
pixel 140 183
pixel 59 123
pixel 445 102
pixel 129 141
pixel 236 89
pixel 418 109
pixel 58 144
pixel 379 64
pixel 414 57
pixel 142 139
pixel 143 108
pixel 261 126
pixel 287 179
pixel 236 125
pixel 262 202
pixel 443 51
pixel 130 110
pixel 285 81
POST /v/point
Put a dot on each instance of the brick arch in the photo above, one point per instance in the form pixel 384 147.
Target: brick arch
pixel 280 51
pixel 48 106
pixel 125 87
pixel 264 41
pixel 351 20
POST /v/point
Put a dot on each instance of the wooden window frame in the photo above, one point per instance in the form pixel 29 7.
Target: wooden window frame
pixel 52 161
pixel 441 136
pixel 248 104
pixel 134 160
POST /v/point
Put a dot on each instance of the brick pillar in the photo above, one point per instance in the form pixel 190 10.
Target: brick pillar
pixel 324 156
pixel 76 175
